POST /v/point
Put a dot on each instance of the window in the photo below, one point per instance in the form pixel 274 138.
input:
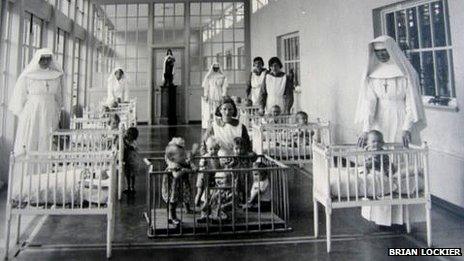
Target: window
pixel 217 33
pixel 77 75
pixel 289 52
pixel 5 45
pixel 80 12
pixel 422 31
pixel 60 47
pixel 32 39
pixel 129 39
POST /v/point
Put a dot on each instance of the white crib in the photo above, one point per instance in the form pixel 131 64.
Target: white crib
pixel 92 140
pixel 290 143
pixel 61 183
pixel 343 179
pixel 127 112
pixel 246 114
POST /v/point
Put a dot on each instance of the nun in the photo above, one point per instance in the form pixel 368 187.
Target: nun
pixel 37 101
pixel 118 90
pixel 277 88
pixel 214 88
pixel 389 101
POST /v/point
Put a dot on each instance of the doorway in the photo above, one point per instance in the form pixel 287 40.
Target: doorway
pixel 158 59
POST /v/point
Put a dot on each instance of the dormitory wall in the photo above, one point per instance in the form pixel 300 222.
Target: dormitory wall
pixel 333 44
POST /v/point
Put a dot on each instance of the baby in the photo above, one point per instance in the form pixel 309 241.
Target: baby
pixel 176 187
pixel 375 142
pixel 132 159
pixel 220 203
pixel 114 121
pixel 272 117
pixel 209 162
pixel 302 119
pixel 260 189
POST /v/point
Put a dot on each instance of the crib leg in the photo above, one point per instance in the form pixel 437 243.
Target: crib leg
pixel 328 213
pixel 120 177
pixel 7 233
pixel 408 222
pixel 18 229
pixel 316 218
pixel 109 235
pixel 428 217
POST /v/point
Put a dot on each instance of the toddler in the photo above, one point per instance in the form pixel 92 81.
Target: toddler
pixel 209 162
pixel 176 187
pixel 375 142
pixel 221 202
pixel 272 117
pixel 132 159
pixel 260 187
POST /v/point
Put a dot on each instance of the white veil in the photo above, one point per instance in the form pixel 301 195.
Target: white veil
pixel 210 72
pixel 398 57
pixel 112 78
pixel 33 71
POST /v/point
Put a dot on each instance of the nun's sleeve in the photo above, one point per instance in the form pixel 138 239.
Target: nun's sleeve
pixel 110 96
pixel 409 106
pixel 225 85
pixel 59 93
pixel 371 106
pixel 263 94
pixel 205 86
pixel 125 95
pixel 19 97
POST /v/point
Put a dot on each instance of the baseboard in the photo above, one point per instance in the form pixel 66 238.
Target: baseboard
pixel 448 206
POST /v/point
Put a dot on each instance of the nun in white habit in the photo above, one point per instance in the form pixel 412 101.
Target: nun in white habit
pixel 214 88
pixel 118 90
pixel 37 101
pixel 389 101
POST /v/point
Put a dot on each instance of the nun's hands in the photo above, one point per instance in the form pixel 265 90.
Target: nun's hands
pixel 362 139
pixel 406 138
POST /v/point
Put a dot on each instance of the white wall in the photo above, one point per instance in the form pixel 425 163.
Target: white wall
pixel 333 42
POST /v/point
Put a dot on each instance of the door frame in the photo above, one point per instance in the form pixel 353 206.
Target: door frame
pixel 155 91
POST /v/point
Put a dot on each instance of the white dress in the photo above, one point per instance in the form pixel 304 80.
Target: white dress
pixel 257 82
pixel 38 105
pixel 214 87
pixel 390 113
pixel 275 87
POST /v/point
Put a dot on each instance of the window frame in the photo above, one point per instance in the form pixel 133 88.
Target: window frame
pixel 448 47
pixel 294 52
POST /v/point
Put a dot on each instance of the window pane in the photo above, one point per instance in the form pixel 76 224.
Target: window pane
pixel 168 9
pixel 206 9
pixel 424 19
pixel 428 76
pixel 143 10
pixel 401 27
pixel 179 9
pixel 195 9
pixel 159 9
pixel 131 10
pixel 438 17
pixel 412 28
pixel 390 20
pixel 416 62
pixel 444 84
pixel 110 10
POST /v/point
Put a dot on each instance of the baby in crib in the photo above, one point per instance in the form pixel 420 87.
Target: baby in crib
pixel 260 189
pixel 114 121
pixel 206 179
pixel 272 117
pixel 221 201
pixel 176 186
pixel 375 142
pixel 302 119
pixel 132 159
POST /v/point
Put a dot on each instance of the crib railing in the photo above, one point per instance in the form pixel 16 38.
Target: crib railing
pixel 90 123
pixel 290 143
pixel 270 211
pixel 246 114
pixel 92 140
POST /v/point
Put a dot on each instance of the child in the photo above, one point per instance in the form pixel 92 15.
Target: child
pixel 132 159
pixel 114 121
pixel 176 187
pixel 260 189
pixel 272 117
pixel 301 119
pixel 222 199
pixel 375 142
pixel 205 180
pixel 242 159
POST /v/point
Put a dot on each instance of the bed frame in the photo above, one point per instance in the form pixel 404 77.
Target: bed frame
pixel 328 189
pixel 23 167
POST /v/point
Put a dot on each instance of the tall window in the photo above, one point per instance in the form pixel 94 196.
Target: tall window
pixel 60 47
pixel 77 74
pixel 129 40
pixel 32 39
pixel 217 33
pixel 290 55
pixel 422 31
pixel 5 44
